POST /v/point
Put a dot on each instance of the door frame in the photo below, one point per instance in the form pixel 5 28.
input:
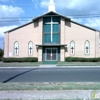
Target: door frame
pixel 51 52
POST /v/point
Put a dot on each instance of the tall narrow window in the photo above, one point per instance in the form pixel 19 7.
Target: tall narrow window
pixel 30 48
pixel 51 30
pixel 72 48
pixel 16 48
pixel 87 47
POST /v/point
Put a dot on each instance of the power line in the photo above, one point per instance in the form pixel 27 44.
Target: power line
pixel 15 19
pixel 77 15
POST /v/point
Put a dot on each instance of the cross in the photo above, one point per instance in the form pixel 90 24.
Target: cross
pixel 87 49
pixel 72 50
pixel 30 49
pixel 16 49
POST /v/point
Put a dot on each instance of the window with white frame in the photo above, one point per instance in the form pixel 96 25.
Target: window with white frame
pixel 72 47
pixel 30 48
pixel 87 47
pixel 16 48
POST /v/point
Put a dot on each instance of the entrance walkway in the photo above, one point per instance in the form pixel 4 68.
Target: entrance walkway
pixel 47 66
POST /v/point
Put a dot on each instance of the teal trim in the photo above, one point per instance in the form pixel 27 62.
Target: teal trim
pixel 58 53
pixel 50 62
pixel 43 54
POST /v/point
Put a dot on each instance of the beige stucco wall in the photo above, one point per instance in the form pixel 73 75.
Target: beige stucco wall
pixel 39 54
pixel 79 35
pixel 97 54
pixel 6 44
pixel 24 35
pixel 62 53
pixel 62 32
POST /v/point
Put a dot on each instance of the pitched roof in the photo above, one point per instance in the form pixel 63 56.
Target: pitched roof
pixel 49 14
pixel 53 14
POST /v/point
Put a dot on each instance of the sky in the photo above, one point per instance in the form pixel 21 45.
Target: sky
pixel 14 13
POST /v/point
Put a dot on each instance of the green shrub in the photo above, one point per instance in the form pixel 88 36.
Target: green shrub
pixel 26 59
pixel 77 59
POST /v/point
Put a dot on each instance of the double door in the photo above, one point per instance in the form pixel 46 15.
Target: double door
pixel 51 54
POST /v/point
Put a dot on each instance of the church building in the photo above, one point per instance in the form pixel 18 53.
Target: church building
pixel 52 37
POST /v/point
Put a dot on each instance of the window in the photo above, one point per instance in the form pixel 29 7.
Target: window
pixel 51 30
pixel 87 47
pixel 16 48
pixel 30 48
pixel 72 48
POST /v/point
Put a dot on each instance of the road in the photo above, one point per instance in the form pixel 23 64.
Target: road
pixel 49 75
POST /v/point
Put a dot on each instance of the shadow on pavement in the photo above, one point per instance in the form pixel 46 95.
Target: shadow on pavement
pixel 18 75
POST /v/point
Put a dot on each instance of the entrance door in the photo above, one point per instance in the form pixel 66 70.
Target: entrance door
pixel 51 54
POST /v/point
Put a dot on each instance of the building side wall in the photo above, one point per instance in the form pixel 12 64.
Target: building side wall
pixel 23 36
pixel 40 54
pixel 62 32
pixel 62 54
pixel 97 44
pixel 62 39
pixel 6 45
pixel 79 35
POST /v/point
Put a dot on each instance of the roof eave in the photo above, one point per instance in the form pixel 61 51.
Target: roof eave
pixel 85 26
pixel 48 13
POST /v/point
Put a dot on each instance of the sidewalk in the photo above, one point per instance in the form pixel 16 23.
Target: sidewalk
pixel 52 66
pixel 55 66
pixel 59 94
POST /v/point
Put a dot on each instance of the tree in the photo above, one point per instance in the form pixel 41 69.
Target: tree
pixel 1 53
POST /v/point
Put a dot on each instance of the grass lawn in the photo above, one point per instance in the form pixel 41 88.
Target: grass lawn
pixel 15 64
pixel 32 64
pixel 78 64
pixel 49 86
